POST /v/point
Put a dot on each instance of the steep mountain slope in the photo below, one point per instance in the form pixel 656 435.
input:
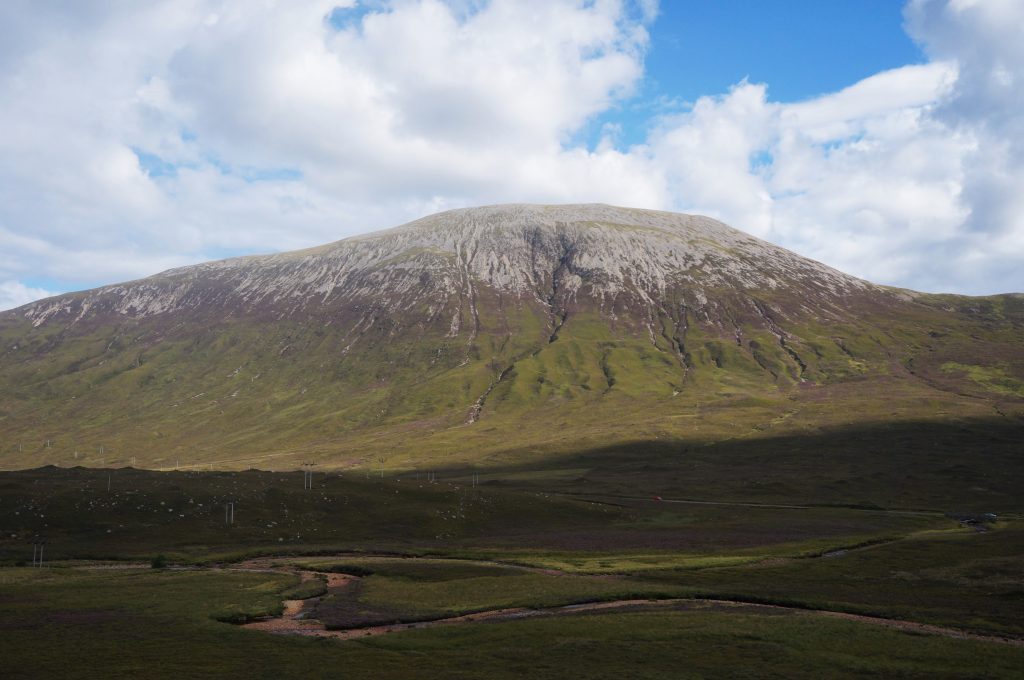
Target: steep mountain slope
pixel 487 335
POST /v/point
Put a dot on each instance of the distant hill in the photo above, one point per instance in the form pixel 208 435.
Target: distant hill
pixel 491 335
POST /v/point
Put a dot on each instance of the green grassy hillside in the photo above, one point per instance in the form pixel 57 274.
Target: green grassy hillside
pixel 491 336
pixel 243 392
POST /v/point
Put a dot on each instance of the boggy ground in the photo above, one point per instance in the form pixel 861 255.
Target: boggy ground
pixel 530 576
pixel 81 621
pixel 340 608
pixel 126 513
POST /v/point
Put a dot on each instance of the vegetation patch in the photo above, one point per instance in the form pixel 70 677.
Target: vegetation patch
pixel 305 589
pixel 992 378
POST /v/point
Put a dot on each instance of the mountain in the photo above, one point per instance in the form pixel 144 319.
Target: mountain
pixel 489 335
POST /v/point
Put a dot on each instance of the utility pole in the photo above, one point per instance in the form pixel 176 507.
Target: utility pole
pixel 307 475
pixel 37 551
pixel 229 512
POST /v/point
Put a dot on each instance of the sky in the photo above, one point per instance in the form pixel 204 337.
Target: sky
pixel 883 138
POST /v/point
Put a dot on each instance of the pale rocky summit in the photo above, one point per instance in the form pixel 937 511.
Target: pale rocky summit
pixel 551 253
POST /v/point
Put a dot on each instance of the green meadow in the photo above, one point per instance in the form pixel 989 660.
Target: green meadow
pixel 695 587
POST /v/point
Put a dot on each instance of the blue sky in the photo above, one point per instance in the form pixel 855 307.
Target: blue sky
pixel 800 48
pixel 880 137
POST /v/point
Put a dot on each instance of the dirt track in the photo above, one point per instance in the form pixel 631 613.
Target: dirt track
pixel 294 621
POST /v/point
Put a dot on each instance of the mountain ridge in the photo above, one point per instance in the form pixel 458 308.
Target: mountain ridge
pixel 482 238
pixel 489 333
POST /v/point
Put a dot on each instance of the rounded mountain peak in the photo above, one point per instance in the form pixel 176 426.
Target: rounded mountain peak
pixel 557 254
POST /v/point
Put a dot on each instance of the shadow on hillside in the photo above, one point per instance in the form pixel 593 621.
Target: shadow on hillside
pixel 972 465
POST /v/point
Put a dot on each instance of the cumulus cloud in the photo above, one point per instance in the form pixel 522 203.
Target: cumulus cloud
pixel 986 105
pixel 910 177
pixel 14 294
pixel 864 179
pixel 140 136
pixel 173 131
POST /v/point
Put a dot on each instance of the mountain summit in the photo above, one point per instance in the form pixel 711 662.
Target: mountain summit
pixel 548 253
pixel 495 331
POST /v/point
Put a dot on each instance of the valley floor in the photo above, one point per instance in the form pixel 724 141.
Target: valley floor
pixel 144 574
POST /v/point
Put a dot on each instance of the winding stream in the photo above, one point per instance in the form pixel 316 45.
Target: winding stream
pixel 296 619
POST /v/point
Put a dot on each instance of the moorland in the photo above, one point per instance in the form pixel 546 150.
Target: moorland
pixel 633 561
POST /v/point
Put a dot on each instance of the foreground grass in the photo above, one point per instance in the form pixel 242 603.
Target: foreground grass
pixel 75 624
pixel 962 579
pixel 478 549
pixel 416 589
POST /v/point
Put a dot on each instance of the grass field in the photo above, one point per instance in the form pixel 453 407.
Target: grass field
pixel 87 624
pixel 423 551
pixel 403 589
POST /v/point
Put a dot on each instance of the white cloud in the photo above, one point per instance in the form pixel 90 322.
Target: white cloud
pixel 861 179
pixel 706 154
pixel 185 129
pixel 139 136
pixel 14 294
pixel 911 177
pixel 986 104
